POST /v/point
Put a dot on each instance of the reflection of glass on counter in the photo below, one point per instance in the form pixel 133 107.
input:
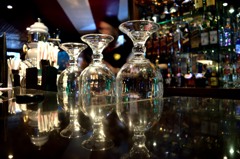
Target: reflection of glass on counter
pixel 40 124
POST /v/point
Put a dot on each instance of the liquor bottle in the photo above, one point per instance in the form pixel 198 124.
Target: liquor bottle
pixel 195 38
pixel 227 72
pixel 214 22
pixel 200 79
pixel 237 44
pixel 227 36
pixel 169 76
pixel 207 77
pixel 177 43
pixel 198 6
pixel 205 33
pixel 211 6
pixel 187 8
pixel 213 32
pixel 196 29
pixel 179 76
pixel 186 46
pixel 238 70
pixel 189 76
pixel 214 78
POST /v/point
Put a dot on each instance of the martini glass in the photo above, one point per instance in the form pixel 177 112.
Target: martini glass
pixel 68 89
pixel 97 92
pixel 68 79
pixel 138 80
pixel 73 129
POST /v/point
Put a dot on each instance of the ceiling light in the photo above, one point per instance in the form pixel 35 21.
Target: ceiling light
pixel 225 4
pixel 9 6
pixel 231 10
pixel 205 62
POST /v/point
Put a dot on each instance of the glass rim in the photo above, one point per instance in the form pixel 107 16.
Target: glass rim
pixel 141 20
pixel 96 34
pixel 73 43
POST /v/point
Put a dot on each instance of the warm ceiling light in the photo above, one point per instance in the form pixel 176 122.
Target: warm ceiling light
pixel 225 4
pixel 186 1
pixel 231 10
pixel 165 2
pixel 205 62
pixel 9 6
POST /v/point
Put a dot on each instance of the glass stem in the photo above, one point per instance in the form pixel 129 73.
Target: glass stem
pixel 139 49
pixel 97 57
pixel 98 133
pixel 74 118
pixel 72 62
pixel 139 148
pixel 75 60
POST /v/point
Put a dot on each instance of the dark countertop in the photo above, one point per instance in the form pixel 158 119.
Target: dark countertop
pixel 227 93
pixel 189 128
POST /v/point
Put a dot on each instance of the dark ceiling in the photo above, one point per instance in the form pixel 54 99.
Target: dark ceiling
pixel 66 15
pixel 26 12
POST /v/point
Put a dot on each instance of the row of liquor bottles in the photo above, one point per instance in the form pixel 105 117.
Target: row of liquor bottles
pixel 197 74
pixel 184 45
pixel 199 33
pixel 202 70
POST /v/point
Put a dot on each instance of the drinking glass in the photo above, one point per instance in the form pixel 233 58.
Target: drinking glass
pixel 138 81
pixel 97 92
pixel 73 129
pixel 68 90
pixel 68 79
pixel 139 116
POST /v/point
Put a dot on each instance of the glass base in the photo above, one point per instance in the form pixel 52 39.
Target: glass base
pixel 139 156
pixel 97 145
pixel 71 131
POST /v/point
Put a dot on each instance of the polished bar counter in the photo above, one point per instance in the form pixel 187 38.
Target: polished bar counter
pixel 189 128
pixel 227 93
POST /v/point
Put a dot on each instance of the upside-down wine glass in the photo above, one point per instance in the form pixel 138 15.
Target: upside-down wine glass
pixel 97 91
pixel 67 81
pixel 68 89
pixel 139 83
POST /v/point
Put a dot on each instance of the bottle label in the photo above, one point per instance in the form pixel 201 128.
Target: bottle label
pixel 214 81
pixel 204 38
pixel 227 37
pixel 195 39
pixel 227 71
pixel 238 70
pixel 238 48
pixel 177 36
pixel 210 3
pixel 213 37
pixel 198 4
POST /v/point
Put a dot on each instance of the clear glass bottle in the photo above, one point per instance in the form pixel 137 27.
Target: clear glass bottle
pixel 227 72
pixel 198 6
pixel 227 33
pixel 200 80
pixel 237 44
pixel 205 33
pixel 189 76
